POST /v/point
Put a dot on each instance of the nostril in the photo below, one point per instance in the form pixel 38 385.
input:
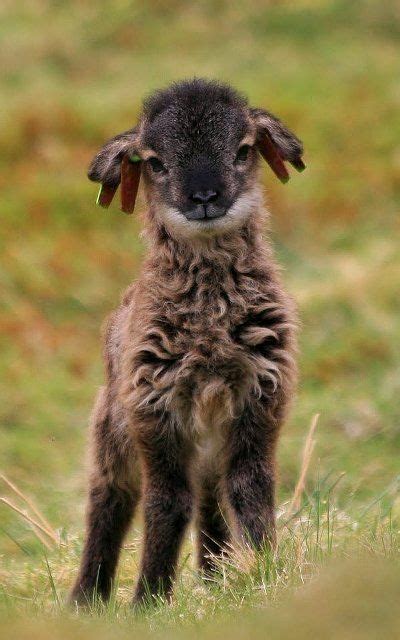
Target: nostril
pixel 204 197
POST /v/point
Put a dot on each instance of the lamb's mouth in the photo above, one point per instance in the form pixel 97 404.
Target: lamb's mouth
pixel 205 213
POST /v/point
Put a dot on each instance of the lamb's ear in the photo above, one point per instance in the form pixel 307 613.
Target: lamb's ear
pixel 117 161
pixel 277 143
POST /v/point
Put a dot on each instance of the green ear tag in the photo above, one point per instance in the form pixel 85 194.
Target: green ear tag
pixel 99 196
pixel 135 158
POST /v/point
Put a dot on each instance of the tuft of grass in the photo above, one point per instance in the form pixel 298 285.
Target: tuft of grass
pixel 314 533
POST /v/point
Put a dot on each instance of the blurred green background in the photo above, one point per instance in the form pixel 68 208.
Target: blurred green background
pixel 72 75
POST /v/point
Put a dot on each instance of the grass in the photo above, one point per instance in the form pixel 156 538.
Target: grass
pixel 320 547
pixel 73 74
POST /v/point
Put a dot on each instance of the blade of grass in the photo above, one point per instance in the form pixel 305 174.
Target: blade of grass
pixel 19 545
pixel 33 522
pixel 394 484
pixel 306 458
pixel 52 584
pixel 29 502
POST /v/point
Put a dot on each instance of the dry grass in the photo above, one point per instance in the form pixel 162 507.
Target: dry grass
pixel 312 530
pixel 307 453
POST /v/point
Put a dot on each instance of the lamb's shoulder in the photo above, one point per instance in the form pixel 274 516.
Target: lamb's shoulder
pixel 114 331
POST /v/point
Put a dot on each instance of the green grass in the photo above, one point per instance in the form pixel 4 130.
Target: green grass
pixel 327 558
pixel 73 74
pixel 348 599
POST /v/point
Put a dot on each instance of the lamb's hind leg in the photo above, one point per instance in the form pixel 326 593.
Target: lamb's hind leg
pixel 213 532
pixel 113 496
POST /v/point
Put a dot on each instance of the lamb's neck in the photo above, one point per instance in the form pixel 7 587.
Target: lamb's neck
pixel 239 249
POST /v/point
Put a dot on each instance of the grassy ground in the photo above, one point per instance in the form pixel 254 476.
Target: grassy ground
pixel 73 74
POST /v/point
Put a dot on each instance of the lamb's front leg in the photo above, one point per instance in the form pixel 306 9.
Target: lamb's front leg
pixel 167 507
pixel 250 471
pixel 113 496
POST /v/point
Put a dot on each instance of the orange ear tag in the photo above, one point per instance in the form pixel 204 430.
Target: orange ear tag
pixel 271 155
pixel 105 195
pixel 130 177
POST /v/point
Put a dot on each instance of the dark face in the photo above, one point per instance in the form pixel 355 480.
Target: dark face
pixel 199 158
pixel 197 143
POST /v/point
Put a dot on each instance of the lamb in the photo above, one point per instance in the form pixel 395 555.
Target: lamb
pixel 200 355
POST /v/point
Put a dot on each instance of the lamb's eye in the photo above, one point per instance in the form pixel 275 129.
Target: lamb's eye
pixel 243 153
pixel 156 165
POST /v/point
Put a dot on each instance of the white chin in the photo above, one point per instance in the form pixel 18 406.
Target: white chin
pixel 234 218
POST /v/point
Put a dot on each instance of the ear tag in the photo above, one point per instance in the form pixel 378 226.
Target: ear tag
pixel 273 158
pixel 130 177
pixel 105 195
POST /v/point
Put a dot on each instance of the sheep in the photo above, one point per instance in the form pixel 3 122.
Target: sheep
pixel 200 355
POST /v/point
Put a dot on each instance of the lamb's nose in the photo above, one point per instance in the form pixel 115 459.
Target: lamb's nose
pixel 204 197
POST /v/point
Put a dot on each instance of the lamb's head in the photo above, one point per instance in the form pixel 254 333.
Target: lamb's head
pixel 197 145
